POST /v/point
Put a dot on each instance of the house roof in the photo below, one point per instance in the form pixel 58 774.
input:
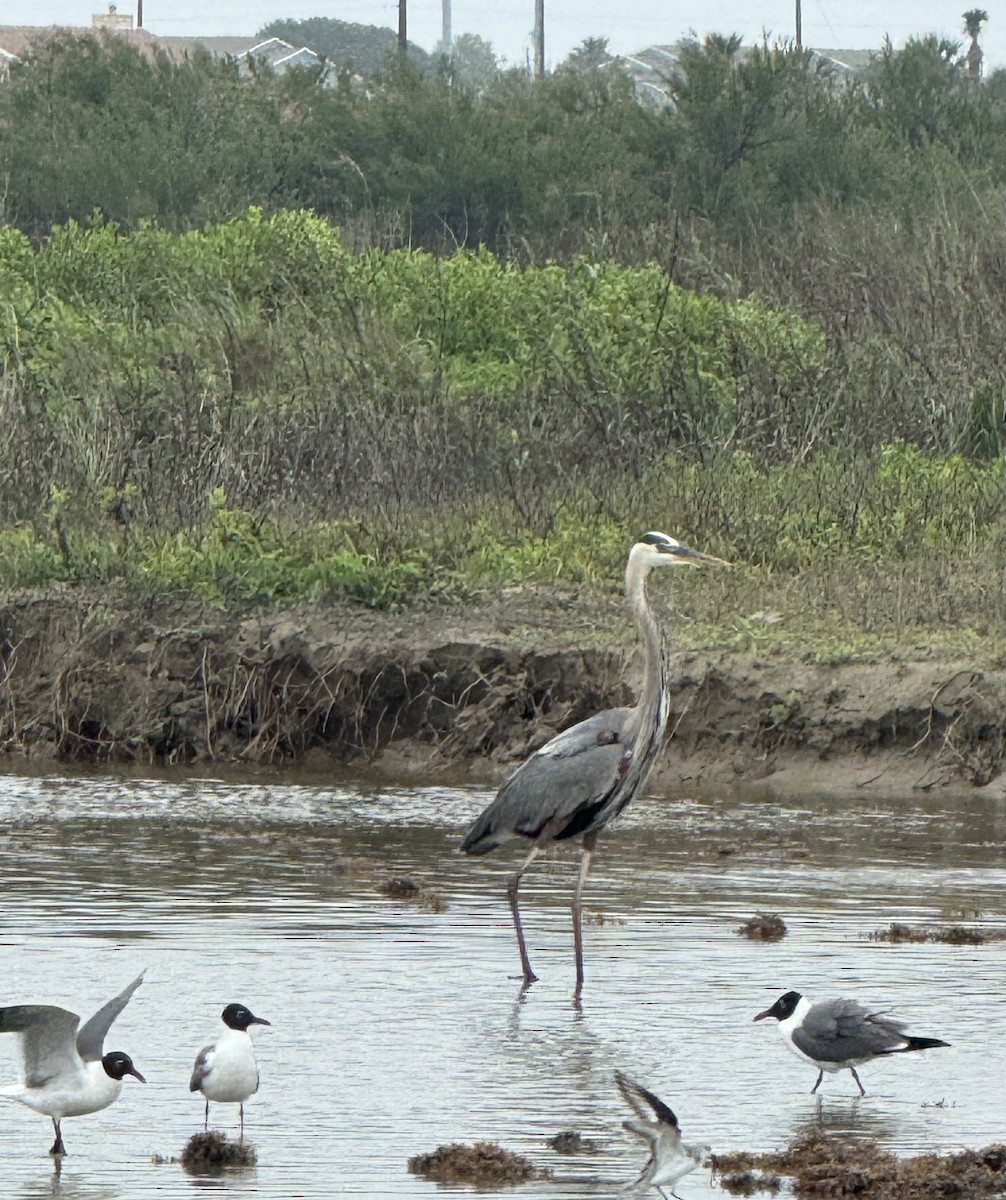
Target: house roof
pixel 16 40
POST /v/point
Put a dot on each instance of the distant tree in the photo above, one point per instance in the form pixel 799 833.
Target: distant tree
pixel 915 92
pixel 470 60
pixel 974 19
pixel 364 49
pixel 751 133
pixel 590 55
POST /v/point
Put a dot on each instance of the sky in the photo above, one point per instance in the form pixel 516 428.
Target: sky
pixel 629 25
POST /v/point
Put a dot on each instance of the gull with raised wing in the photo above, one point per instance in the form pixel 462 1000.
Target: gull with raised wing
pixel 66 1072
pixel 670 1158
pixel 840 1034
pixel 226 1071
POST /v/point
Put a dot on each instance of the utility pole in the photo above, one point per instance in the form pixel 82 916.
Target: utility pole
pixel 139 14
pixel 799 26
pixel 539 39
pixel 445 33
pixel 403 26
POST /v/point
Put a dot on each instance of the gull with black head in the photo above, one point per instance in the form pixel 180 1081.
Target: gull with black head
pixel 837 1035
pixel 66 1071
pixel 226 1071
pixel 583 778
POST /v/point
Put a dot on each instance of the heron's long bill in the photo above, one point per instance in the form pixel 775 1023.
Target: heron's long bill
pixel 692 558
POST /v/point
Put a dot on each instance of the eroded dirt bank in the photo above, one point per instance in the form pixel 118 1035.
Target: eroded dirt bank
pixel 92 678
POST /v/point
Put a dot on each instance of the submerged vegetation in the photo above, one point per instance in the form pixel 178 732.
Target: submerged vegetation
pixel 523 322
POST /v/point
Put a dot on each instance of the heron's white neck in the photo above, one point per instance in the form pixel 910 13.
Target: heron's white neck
pixel 650 707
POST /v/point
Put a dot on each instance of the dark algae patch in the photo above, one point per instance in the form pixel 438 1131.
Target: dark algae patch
pixel 482 1164
pixel 571 1141
pixel 763 927
pixel 952 935
pixel 832 1168
pixel 213 1153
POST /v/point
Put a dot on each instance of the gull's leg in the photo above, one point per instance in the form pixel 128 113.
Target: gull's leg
pixel 862 1090
pixel 589 840
pixel 820 1076
pixel 206 1117
pixel 512 886
pixel 57 1146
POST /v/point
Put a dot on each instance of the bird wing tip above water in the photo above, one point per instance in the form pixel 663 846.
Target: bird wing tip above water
pixel 91 1038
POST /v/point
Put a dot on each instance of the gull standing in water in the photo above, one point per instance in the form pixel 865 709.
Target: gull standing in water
pixel 581 779
pixel 226 1071
pixel 66 1072
pixel 840 1034
pixel 670 1158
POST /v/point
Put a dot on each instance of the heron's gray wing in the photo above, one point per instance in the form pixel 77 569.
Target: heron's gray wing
pixel 578 768
pixel 91 1039
pixel 47 1039
pixel 603 728
pixel 838 1030
pixel 635 1095
pixel 202 1068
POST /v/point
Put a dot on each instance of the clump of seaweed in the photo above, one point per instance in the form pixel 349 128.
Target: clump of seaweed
pixel 746 1183
pixel 405 889
pixel 571 1141
pixel 211 1153
pixel 953 935
pixel 763 927
pixel 826 1166
pixel 484 1164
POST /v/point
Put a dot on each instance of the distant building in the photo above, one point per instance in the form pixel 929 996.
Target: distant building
pixel 17 40
pixel 113 19
pixel 655 67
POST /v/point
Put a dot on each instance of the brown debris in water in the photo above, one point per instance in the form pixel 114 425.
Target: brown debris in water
pixel 571 1141
pixel 483 1164
pixel 746 1183
pixel 827 1167
pixel 405 889
pixel 953 935
pixel 211 1153
pixel 763 927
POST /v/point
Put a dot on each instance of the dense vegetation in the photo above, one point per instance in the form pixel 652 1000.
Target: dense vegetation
pixel 769 317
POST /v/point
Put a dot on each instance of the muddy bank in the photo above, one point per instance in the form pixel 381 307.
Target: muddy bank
pixel 97 678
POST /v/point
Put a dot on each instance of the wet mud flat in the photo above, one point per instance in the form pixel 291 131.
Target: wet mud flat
pixel 398 1025
pixel 99 677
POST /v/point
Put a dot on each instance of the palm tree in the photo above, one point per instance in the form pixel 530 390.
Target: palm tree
pixel 974 19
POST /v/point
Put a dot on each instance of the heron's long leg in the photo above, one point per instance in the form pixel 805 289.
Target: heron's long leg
pixel 862 1090
pixel 820 1076
pixel 511 891
pixel 589 840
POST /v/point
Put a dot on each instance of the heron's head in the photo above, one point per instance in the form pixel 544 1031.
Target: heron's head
pixel 118 1064
pixel 661 550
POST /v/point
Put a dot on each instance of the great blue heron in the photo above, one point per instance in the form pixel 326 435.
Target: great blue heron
pixel 670 1158
pixel 835 1034
pixel 588 773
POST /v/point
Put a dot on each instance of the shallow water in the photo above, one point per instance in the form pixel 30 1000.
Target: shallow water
pixel 397 1028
